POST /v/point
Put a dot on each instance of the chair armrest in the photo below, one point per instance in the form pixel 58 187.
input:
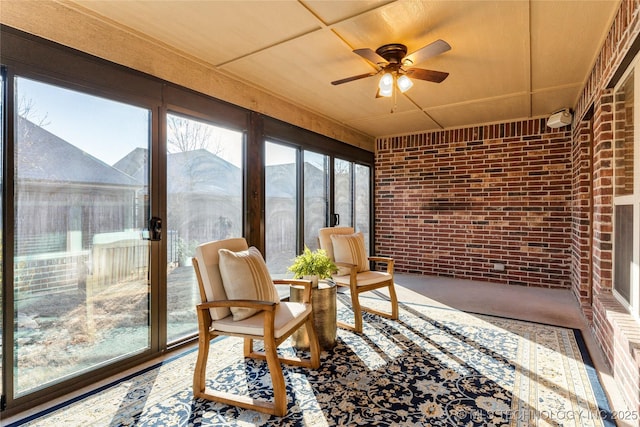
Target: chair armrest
pixel 389 261
pixel 204 319
pixel 258 305
pixel 380 259
pixel 346 264
pixel 306 296
pixel 353 274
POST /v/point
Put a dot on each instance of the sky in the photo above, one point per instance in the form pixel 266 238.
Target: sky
pixel 106 129
pixel 109 130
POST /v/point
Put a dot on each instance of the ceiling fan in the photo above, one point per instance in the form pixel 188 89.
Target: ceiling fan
pixel 396 66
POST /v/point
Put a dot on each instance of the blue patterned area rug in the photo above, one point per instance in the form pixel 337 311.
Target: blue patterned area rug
pixel 435 366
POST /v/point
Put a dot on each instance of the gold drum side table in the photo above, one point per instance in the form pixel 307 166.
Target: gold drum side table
pixel 323 301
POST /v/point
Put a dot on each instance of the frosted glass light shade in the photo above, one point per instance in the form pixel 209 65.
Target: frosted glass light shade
pixel 404 83
pixel 386 85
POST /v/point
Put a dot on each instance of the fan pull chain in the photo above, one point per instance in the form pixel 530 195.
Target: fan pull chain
pixel 395 95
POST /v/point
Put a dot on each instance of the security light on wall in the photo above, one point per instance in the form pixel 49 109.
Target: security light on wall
pixel 559 119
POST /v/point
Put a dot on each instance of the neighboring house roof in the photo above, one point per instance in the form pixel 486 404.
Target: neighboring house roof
pixel 201 171
pixel 43 156
pixel 281 181
pixel 196 171
pixel 135 164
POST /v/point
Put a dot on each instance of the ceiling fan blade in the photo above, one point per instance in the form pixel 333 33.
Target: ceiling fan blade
pixel 428 51
pixel 352 78
pixel 428 75
pixel 370 56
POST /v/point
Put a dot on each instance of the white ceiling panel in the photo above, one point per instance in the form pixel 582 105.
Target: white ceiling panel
pixel 562 53
pixel 214 31
pixel 330 13
pixel 548 101
pixel 486 111
pixel 396 123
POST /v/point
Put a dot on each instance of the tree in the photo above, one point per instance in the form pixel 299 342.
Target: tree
pixel 28 111
pixel 188 135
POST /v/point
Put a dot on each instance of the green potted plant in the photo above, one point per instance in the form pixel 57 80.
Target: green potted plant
pixel 313 265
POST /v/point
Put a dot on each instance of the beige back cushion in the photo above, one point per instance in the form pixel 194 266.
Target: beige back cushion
pixel 208 263
pixel 350 248
pixel 324 238
pixel 245 276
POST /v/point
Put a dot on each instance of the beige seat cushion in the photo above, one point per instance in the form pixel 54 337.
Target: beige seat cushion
pixel 286 317
pixel 365 278
pixel 245 276
pixel 349 248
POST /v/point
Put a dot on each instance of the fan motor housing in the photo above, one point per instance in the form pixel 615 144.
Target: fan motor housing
pixel 393 52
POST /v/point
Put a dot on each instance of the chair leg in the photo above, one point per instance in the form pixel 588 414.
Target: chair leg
pixel 357 311
pixel 277 377
pixel 248 347
pixel 199 373
pixel 394 301
pixel 314 345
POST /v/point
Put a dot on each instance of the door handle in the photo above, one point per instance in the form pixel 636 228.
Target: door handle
pixel 155 228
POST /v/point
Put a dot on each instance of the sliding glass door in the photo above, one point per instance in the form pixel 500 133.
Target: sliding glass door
pixel 80 264
pixel 298 200
pixel 316 196
pixel 352 208
pixel 281 206
pixel 204 203
pixel 343 193
pixel 93 154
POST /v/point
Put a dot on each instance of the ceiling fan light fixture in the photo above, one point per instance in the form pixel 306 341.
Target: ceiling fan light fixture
pixel 386 92
pixel 386 85
pixel 404 83
pixel 386 81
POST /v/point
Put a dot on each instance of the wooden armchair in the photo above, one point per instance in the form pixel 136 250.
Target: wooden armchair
pixel 347 250
pixel 260 318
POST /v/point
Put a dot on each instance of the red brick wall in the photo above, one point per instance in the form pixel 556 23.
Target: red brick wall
pixel 581 215
pixel 456 202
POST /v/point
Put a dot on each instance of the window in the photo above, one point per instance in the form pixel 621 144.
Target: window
pixel 343 187
pixel 281 206
pixel 204 203
pixel 353 196
pixel 626 153
pixel 80 266
pixel 90 165
pixel 316 196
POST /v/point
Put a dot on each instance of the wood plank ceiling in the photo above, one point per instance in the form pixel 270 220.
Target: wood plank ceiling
pixel 509 60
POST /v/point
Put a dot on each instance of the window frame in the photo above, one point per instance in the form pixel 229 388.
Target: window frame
pixel 633 305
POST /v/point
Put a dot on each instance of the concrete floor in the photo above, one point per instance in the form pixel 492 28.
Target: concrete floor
pixel 552 306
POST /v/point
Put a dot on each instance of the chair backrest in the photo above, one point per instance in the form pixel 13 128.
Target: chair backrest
pixel 211 288
pixel 324 237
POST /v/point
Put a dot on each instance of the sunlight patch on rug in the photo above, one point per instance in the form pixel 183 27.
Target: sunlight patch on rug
pixel 433 366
